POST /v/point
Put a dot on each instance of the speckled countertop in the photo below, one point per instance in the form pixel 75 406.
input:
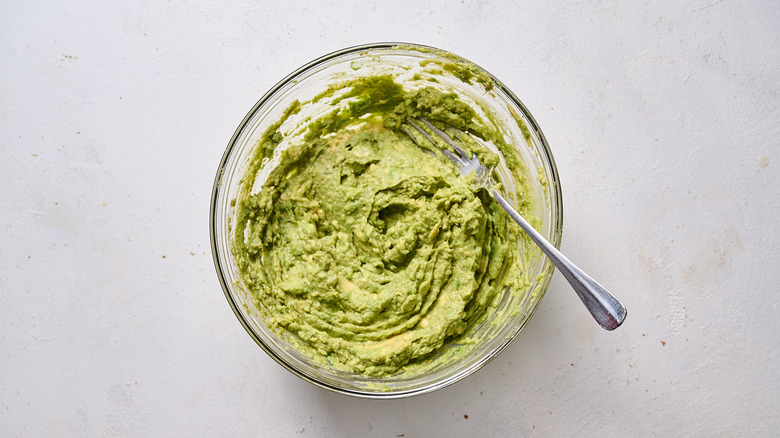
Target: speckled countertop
pixel 663 118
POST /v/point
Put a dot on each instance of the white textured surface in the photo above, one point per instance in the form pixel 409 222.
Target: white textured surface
pixel 665 122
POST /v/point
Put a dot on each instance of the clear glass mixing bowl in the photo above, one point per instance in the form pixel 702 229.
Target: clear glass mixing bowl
pixel 515 308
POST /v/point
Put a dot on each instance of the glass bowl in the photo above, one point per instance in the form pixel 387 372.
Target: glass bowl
pixel 411 65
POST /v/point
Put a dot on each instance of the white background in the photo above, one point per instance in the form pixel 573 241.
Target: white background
pixel 664 119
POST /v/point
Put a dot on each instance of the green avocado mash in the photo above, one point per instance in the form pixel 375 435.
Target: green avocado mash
pixel 365 251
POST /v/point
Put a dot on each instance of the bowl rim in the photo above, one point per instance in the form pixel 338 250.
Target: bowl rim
pixel 557 225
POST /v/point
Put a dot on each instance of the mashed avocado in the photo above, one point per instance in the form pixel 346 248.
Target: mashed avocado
pixel 365 251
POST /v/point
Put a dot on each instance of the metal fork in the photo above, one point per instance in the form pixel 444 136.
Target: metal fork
pixel 607 310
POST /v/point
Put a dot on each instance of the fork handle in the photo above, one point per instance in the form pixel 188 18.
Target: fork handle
pixel 607 310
